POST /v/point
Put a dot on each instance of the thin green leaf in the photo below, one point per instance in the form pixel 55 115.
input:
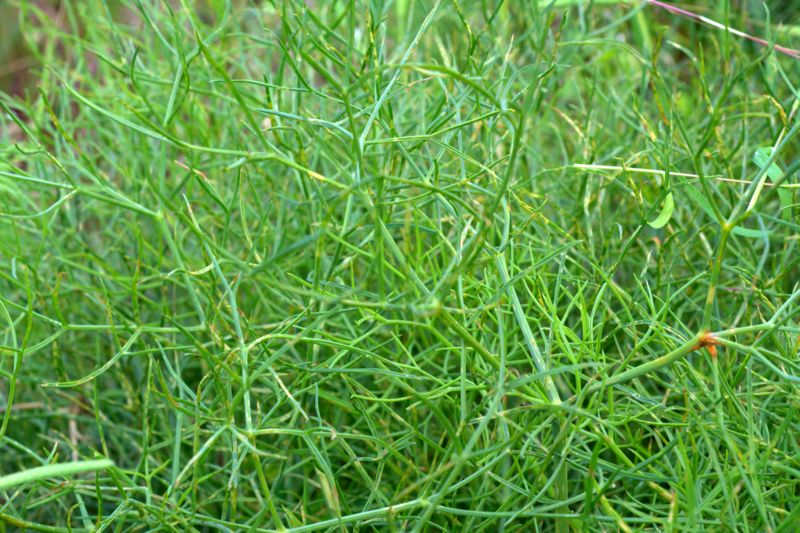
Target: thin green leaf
pixel 53 470
pixel 666 213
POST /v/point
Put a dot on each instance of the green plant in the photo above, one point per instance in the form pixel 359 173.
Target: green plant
pixel 410 266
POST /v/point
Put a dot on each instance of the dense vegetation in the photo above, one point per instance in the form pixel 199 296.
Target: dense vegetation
pixel 411 265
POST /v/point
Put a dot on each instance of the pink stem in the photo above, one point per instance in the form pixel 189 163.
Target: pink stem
pixel 694 16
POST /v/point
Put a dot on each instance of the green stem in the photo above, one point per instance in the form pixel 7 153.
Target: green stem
pixel 651 366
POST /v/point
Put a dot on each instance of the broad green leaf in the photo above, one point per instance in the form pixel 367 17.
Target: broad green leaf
pixel 704 204
pixel 666 213
pixel 775 173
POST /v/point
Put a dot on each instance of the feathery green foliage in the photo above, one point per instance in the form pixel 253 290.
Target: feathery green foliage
pixel 416 265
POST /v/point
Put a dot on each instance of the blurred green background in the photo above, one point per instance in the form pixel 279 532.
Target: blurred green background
pixel 18 66
pixel 18 35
